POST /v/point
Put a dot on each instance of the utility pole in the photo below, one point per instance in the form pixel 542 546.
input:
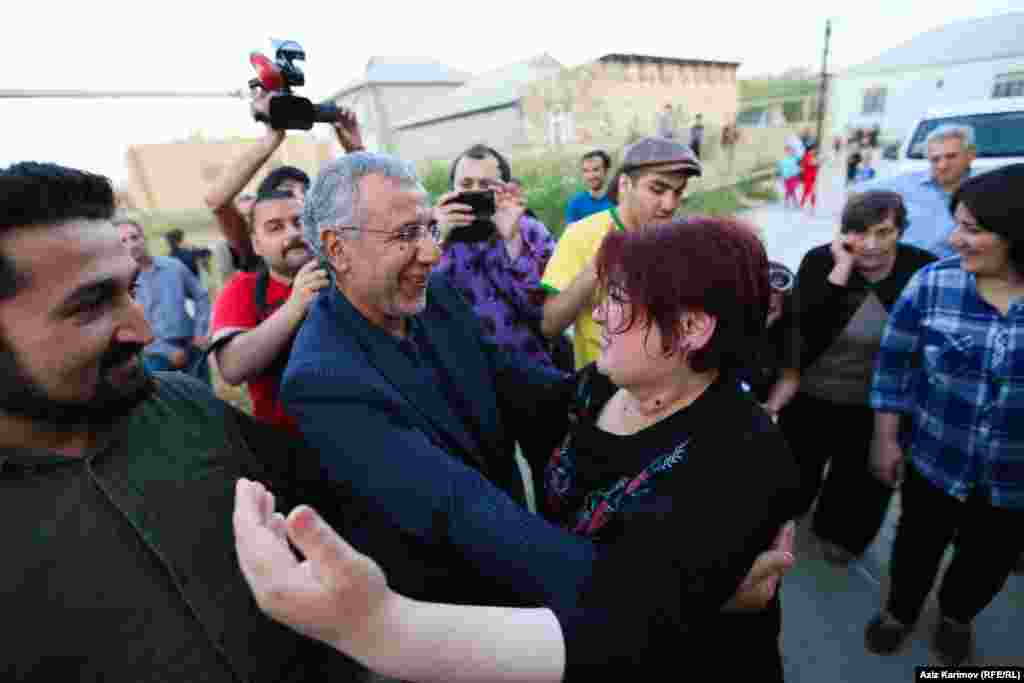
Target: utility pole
pixel 823 86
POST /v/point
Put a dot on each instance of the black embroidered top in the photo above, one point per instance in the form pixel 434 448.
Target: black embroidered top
pixel 679 510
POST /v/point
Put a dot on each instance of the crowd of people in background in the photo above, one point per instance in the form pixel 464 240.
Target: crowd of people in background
pixel 861 147
pixel 491 441
pixel 798 171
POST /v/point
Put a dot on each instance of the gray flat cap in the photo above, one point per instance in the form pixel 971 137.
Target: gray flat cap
pixel 662 154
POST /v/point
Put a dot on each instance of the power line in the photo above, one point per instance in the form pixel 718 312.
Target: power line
pixel 119 94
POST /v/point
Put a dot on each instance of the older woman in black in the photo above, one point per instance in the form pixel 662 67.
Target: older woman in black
pixel 843 294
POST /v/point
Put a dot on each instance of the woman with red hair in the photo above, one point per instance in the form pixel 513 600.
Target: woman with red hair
pixel 676 474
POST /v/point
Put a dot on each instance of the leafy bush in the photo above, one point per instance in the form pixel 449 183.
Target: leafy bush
pixel 435 179
pixel 547 197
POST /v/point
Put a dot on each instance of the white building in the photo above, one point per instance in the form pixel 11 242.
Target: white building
pixel 391 90
pixel 967 60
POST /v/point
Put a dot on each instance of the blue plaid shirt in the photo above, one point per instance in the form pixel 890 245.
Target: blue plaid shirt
pixel 954 366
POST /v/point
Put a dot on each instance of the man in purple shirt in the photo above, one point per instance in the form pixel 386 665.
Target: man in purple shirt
pixel 499 276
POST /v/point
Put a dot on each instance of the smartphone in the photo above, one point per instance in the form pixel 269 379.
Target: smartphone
pixel 482 203
pixel 482 228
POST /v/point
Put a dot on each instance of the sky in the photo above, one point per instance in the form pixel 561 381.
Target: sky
pixel 204 46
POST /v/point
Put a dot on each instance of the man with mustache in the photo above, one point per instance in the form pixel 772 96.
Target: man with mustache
pixel 116 484
pixel 231 211
pixel 164 284
pixel 257 314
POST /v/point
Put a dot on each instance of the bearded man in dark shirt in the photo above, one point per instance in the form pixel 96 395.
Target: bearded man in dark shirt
pixel 115 485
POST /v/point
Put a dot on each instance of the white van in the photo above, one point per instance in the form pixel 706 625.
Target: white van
pixel 998 133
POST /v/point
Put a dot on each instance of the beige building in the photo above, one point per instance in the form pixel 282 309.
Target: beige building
pixel 177 176
pixel 618 97
pixel 393 89
pixel 540 103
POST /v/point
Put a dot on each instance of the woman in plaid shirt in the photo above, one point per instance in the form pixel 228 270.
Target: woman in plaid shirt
pixel 949 393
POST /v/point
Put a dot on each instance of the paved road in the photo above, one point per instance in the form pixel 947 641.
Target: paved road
pixel 790 233
pixel 825 608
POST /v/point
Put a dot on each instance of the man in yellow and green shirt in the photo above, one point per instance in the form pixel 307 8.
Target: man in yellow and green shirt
pixel 654 175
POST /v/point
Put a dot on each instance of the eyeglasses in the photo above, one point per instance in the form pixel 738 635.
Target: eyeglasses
pixel 780 278
pixel 407 234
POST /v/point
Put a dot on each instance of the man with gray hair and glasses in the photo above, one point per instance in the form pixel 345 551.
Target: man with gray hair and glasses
pixel 950 151
pixel 392 381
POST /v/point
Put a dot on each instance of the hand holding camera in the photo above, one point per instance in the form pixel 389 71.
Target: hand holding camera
pixel 260 108
pixel 510 209
pixel 449 213
pixel 285 110
pixel 349 134
pixel 466 216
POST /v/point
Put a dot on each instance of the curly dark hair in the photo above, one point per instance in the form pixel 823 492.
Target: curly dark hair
pixel 37 194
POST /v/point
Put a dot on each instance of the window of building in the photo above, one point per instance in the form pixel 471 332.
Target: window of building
pixel 561 127
pixel 874 101
pixel 1009 85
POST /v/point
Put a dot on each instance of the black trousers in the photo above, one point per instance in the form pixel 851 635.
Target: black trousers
pixel 987 542
pixel 852 503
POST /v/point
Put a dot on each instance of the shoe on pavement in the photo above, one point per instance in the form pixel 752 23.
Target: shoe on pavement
pixel 1019 568
pixel 953 641
pixel 884 635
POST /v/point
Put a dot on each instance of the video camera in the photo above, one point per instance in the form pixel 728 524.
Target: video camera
pixel 287 110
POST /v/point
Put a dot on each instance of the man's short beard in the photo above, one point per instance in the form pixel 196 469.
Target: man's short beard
pixel 21 396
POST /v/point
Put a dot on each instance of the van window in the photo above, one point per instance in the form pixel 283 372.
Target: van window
pixel 996 135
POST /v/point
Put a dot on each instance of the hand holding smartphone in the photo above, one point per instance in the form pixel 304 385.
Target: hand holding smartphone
pixel 482 228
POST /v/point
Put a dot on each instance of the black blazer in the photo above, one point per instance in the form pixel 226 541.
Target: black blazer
pixel 427 463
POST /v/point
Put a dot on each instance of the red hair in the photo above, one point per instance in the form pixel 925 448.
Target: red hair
pixel 715 265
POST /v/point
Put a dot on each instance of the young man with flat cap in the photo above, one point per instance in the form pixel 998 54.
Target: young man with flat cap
pixel 654 174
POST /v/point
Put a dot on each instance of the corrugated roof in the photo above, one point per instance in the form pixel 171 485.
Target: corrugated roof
pixel 971 40
pixel 405 70
pixel 412 70
pixel 491 90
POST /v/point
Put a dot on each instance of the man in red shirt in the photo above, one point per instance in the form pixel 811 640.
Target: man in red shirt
pixel 231 217
pixel 256 316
